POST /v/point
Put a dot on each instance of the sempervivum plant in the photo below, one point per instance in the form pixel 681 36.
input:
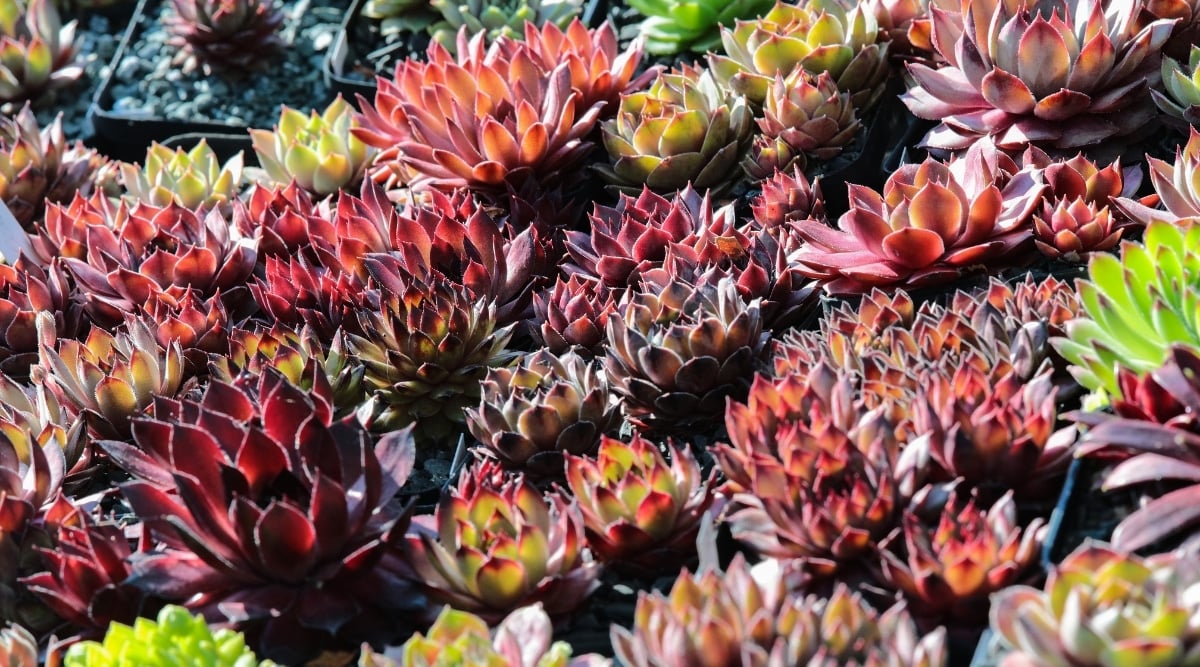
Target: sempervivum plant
pixel 190 179
pixel 933 222
pixel 495 544
pixel 804 116
pixel 599 71
pixel 25 290
pixel 174 637
pixel 493 19
pixel 1061 75
pixel 989 425
pixel 488 118
pixel 744 617
pixel 426 348
pixel 675 26
pixel 1103 607
pixel 37 52
pixel 296 293
pixel 533 414
pixel 450 234
pixel 317 151
pixel 677 351
pixel 574 314
pixel 811 471
pixel 1180 98
pixel 286 220
pixel 623 243
pixel 283 512
pixel 229 36
pixel 640 512
pixel 946 569
pixel 31 416
pixel 685 128
pixel 108 378
pixel 787 196
pixel 167 251
pixel 818 36
pixel 85 576
pixel 301 356
pixel 522 639
pixel 1135 307
pixel 38 165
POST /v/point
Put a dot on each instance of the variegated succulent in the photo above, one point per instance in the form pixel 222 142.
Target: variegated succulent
pixel 192 179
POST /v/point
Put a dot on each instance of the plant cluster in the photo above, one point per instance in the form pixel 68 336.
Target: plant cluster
pixel 418 385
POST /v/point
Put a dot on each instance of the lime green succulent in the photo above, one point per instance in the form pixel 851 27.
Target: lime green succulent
pixel 498 17
pixel 189 179
pixel 1181 97
pixel 816 35
pixel 1136 307
pixel 396 16
pixel 460 638
pixel 317 151
pixel 175 638
pixel 675 26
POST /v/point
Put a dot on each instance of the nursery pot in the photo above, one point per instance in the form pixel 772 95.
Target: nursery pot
pixel 342 56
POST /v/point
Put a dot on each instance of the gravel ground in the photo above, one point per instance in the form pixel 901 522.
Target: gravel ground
pixel 147 84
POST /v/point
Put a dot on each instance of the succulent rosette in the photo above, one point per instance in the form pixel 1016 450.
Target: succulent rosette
pixel 531 415
pixel 1175 185
pixel 745 617
pixel 495 544
pixel 191 179
pixel 301 356
pixel 37 51
pixel 108 378
pixel 281 510
pixel 225 36
pixel 932 222
pixel 287 221
pixel 30 503
pixel 31 416
pixel 1063 75
pixel 173 637
pixel 1134 307
pixel 684 129
pixel 522 639
pixel 599 70
pixel 675 26
pixel 947 570
pixel 317 151
pixel 989 425
pixel 493 19
pixel 804 116
pixel 787 196
pixel 676 353
pixel 811 471
pixel 1180 97
pixel 38 165
pixel 640 512
pixel 426 348
pixel 85 576
pixel 817 36
pixel 626 241
pixel 1102 607
pixel 574 315
pixel 162 252
pixel 26 290
pixel 509 119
